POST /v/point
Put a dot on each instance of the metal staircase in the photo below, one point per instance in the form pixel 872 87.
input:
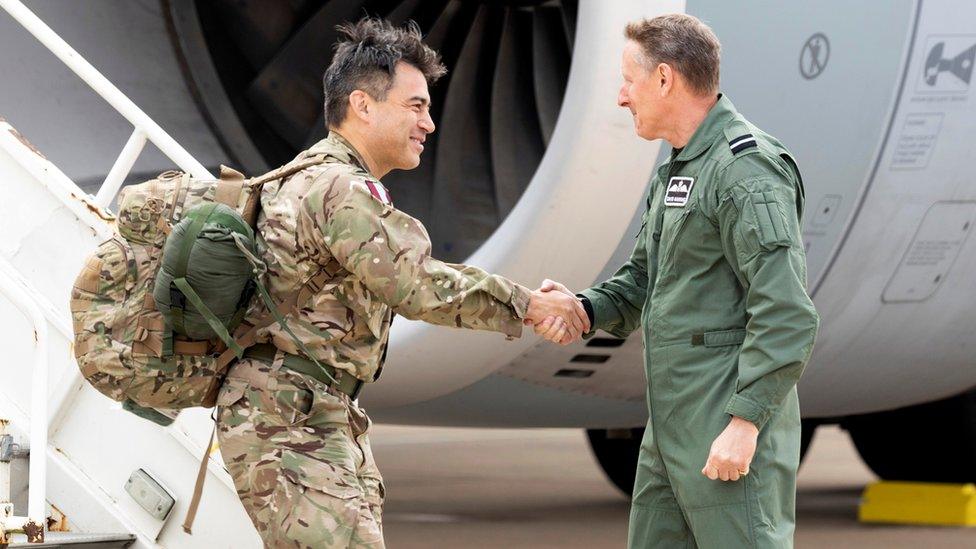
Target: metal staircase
pixel 90 463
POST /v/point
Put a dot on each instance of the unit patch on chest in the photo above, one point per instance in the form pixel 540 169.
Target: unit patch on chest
pixel 679 189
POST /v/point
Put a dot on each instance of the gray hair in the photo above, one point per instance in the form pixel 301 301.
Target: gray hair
pixel 366 59
pixel 683 42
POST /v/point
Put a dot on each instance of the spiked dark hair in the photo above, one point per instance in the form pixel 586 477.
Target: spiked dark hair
pixel 366 58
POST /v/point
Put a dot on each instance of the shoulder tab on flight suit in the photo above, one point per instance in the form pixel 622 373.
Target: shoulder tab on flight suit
pixel 739 137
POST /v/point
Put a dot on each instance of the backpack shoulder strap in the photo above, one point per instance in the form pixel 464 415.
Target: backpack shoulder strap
pixel 251 207
pixel 290 168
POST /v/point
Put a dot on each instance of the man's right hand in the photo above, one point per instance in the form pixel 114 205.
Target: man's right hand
pixel 559 328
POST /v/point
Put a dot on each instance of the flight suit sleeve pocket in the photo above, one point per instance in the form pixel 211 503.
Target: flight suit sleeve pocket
pixel 769 220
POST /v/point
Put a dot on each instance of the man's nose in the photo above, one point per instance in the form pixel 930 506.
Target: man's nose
pixel 426 123
pixel 622 98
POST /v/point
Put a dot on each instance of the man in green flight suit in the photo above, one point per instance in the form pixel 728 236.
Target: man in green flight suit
pixel 716 282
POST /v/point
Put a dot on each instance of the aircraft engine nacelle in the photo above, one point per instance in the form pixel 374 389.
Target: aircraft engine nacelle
pixel 534 171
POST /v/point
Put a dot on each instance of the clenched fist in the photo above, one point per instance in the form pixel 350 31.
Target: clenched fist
pixel 732 451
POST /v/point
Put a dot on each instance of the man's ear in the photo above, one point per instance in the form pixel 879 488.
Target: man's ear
pixel 665 75
pixel 360 103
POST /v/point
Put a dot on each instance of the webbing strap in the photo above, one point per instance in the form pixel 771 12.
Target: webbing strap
pixel 191 512
pixel 289 169
pixel 180 189
pixel 245 340
pixel 196 348
pixel 215 324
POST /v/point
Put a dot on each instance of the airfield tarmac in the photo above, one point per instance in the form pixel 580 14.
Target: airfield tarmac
pixel 541 488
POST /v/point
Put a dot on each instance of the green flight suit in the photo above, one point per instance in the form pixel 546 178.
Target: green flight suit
pixel 717 283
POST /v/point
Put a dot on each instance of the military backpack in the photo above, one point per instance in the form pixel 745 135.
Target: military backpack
pixel 158 309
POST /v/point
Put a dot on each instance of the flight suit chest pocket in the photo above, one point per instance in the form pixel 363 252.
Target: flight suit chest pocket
pixel 672 227
pixel 673 220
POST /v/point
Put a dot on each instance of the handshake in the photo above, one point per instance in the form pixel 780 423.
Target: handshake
pixel 557 314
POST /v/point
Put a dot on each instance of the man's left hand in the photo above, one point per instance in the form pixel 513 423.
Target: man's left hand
pixel 732 451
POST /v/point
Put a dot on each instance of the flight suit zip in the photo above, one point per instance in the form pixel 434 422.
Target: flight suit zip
pixel 659 221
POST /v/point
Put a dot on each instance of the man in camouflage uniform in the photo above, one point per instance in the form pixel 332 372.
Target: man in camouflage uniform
pixel 294 440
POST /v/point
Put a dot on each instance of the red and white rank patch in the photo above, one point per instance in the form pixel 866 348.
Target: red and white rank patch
pixel 379 192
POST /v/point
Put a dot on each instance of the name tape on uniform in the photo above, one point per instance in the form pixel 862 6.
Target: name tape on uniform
pixel 679 189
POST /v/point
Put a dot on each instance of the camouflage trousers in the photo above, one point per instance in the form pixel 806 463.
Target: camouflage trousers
pixel 300 458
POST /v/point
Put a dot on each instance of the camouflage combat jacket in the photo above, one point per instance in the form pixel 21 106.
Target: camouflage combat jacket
pixel 338 217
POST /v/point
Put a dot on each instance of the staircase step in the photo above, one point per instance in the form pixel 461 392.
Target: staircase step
pixel 71 539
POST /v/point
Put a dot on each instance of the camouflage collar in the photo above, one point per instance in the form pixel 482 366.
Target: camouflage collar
pixel 338 147
pixel 709 129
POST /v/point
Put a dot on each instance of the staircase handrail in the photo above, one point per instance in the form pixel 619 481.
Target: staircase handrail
pixel 144 128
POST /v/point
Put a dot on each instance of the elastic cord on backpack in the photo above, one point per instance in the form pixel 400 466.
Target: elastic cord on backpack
pixel 208 315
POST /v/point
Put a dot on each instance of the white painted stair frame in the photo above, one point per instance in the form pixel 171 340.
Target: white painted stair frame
pixel 98 225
